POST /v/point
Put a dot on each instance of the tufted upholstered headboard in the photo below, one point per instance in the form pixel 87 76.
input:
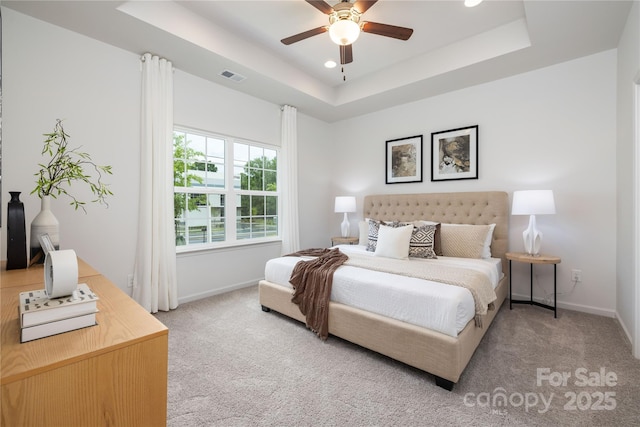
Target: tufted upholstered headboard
pixel 484 207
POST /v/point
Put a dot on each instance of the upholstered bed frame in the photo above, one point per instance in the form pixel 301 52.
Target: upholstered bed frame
pixel 441 355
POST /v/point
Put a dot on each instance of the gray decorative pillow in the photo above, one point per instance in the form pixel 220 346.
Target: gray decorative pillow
pixel 421 244
pixel 374 226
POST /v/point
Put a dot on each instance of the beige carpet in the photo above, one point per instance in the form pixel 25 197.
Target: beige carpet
pixel 230 364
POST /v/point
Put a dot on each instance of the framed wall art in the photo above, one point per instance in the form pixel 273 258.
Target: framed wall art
pixel 404 160
pixel 454 154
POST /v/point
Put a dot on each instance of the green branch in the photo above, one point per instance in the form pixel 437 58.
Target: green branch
pixel 66 166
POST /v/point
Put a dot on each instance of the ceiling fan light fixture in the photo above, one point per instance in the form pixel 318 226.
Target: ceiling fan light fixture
pixel 344 28
pixel 472 3
pixel 344 32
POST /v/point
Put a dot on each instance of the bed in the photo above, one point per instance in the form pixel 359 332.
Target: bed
pixel 436 350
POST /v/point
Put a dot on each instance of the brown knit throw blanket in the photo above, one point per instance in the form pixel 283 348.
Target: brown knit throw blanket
pixel 311 281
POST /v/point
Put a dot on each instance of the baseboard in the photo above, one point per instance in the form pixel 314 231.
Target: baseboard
pixel 624 329
pixel 570 306
pixel 218 291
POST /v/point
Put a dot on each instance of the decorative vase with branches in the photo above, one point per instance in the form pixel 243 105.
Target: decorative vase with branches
pixel 55 177
pixel 67 165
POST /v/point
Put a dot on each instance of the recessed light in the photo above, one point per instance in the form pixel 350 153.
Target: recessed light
pixel 330 64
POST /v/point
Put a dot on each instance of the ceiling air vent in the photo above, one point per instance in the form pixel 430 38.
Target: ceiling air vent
pixel 232 76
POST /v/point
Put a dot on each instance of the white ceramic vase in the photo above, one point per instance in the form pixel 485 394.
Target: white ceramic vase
pixel 44 222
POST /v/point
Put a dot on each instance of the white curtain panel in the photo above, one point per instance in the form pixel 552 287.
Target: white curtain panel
pixel 155 282
pixel 289 181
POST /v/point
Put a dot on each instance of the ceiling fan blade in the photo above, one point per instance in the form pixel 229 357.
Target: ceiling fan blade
pixel 304 35
pixel 386 30
pixel 321 6
pixel 346 54
pixel 363 6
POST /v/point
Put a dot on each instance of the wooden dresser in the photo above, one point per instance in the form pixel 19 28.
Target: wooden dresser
pixel 111 374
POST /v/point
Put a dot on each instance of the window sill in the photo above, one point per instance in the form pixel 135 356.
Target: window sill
pixel 225 246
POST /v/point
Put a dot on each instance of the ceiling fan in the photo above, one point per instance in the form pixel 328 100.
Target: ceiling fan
pixel 345 26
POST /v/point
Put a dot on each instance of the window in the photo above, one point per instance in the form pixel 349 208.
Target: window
pixel 225 190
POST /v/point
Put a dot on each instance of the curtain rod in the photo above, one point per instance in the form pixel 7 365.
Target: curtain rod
pixel 142 57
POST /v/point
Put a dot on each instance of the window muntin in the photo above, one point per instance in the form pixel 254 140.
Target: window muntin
pixel 255 178
pixel 207 211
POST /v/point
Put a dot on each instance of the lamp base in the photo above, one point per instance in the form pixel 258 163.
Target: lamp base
pixel 532 238
pixel 344 227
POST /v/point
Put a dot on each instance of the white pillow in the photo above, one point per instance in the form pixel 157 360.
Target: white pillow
pixel 363 227
pixel 486 251
pixel 423 237
pixel 393 242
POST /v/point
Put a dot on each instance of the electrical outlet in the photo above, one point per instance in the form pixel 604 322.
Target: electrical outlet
pixel 130 281
pixel 576 275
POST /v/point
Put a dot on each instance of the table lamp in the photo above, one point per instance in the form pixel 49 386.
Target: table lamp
pixel 532 203
pixel 345 204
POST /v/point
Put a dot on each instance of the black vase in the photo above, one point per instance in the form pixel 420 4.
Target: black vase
pixel 16 233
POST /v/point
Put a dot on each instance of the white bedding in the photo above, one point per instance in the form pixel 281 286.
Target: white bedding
pixel 437 306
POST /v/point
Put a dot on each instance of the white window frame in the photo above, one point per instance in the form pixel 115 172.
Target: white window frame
pixel 230 193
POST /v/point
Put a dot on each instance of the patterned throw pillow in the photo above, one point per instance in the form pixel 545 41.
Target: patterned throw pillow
pixel 421 244
pixel 374 226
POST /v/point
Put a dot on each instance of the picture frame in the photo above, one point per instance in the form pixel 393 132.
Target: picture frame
pixel 454 154
pixel 403 159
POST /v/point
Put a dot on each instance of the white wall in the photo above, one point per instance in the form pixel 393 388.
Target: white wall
pixel 554 128
pixel 50 73
pixel 316 158
pixel 627 264
pixel 201 104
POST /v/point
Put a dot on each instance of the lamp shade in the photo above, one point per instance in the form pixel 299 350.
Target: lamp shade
pixel 344 32
pixel 533 202
pixel 345 204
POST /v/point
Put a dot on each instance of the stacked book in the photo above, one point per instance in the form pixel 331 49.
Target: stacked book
pixel 41 316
